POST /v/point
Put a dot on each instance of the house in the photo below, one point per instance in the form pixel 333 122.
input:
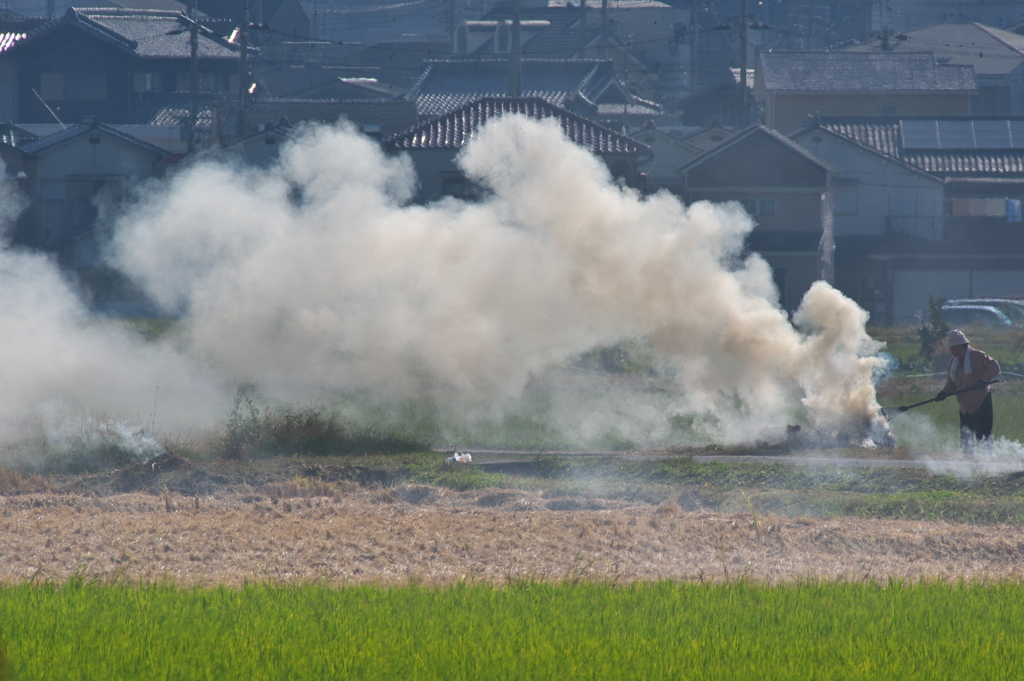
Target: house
pixel 790 203
pixel 433 145
pixel 74 178
pixel 792 85
pixel 924 205
pixel 110 63
pixel 996 55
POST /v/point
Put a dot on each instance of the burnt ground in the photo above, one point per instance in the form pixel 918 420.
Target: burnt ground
pixel 291 520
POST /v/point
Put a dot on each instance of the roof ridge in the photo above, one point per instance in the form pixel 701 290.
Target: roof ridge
pixel 989 29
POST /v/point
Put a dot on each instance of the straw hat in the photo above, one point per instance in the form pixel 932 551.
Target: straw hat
pixel 956 337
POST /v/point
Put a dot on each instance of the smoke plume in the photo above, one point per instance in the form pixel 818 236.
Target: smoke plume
pixel 318 276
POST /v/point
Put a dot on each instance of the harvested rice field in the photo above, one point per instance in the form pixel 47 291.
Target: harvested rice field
pixel 345 533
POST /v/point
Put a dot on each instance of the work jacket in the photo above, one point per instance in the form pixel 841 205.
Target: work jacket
pixel 983 368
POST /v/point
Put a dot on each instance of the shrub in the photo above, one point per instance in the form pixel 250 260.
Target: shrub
pixel 933 333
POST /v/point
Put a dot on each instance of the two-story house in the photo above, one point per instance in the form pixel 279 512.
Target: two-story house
pixel 924 205
pixel 111 63
pixel 786 190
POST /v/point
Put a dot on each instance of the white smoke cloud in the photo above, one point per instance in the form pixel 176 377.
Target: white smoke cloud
pixel 60 364
pixel 317 274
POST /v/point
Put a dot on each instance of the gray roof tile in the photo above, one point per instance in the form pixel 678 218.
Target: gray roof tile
pixel 447 84
pixel 155 33
pixel 456 128
pixel 991 51
pixel 806 71
pixel 881 134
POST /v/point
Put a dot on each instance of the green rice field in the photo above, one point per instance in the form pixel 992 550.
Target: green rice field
pixel 527 630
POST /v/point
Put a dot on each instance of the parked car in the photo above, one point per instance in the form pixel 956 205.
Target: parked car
pixel 975 315
pixel 1014 309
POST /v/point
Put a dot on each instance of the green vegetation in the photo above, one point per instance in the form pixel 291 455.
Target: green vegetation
pixel 527 630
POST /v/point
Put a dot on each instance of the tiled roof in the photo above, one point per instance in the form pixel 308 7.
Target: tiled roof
pixel 446 85
pixel 173 109
pixel 882 134
pixel 456 128
pixel 991 51
pixel 793 71
pixel 154 33
pixel 743 135
pixel 74 131
pixel 157 34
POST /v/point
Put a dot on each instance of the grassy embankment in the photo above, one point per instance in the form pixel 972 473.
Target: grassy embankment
pixel 527 630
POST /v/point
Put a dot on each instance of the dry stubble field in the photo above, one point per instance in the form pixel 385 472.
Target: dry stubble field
pixel 344 533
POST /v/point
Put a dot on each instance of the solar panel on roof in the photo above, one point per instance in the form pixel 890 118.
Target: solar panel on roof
pixel 992 134
pixel 919 134
pixel 956 135
pixel 979 134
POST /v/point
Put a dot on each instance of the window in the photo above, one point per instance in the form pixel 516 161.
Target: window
pixel 147 82
pixel 756 207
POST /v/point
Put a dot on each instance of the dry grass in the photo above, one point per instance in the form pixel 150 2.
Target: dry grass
pixel 343 533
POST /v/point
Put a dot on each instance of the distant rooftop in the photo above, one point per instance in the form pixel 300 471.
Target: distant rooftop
pixel 988 49
pixel 158 34
pixel 807 71
pixel 448 84
pixel 949 147
pixel 456 128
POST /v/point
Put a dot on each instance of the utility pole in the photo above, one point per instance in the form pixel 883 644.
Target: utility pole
pixel 193 76
pixel 743 54
pixel 243 67
pixel 883 12
pixel 515 66
pixel 604 30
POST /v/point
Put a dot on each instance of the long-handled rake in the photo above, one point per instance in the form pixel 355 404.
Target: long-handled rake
pixel 900 410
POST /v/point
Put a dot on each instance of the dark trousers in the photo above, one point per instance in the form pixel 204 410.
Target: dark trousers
pixel 977 425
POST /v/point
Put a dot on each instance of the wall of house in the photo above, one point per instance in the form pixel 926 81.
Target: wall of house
pixel 74 78
pixel 787 112
pixel 66 184
pixel 874 195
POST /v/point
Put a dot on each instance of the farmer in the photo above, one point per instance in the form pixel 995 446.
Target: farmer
pixel 971 371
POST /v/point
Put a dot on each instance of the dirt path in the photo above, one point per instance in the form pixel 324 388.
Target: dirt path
pixel 350 534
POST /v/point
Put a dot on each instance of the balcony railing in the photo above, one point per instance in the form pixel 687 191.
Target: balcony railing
pixel 928 228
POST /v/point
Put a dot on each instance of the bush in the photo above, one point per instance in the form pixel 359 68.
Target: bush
pixel 311 431
pixel 933 334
